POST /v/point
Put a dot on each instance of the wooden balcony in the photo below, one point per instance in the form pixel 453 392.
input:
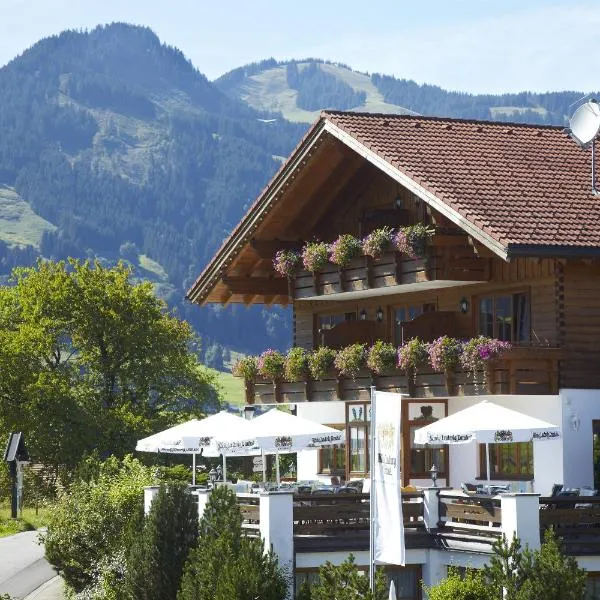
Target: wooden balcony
pixel 531 370
pixel 448 259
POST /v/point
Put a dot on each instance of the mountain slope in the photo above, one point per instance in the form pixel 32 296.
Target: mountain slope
pixel 285 86
pixel 122 148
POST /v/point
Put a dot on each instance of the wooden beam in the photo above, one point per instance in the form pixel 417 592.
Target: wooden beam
pixel 256 285
pixel 249 299
pixel 267 248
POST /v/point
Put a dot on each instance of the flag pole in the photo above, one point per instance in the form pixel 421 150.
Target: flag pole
pixel 372 504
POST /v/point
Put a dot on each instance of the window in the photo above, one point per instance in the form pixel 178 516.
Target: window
pixel 508 461
pixel 332 459
pixel 505 317
pixel 330 321
pixel 358 425
pixel 423 456
pixel 402 315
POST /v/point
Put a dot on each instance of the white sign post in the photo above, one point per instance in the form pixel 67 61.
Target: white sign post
pixel 387 525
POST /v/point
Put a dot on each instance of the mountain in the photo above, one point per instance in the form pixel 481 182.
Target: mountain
pixel 298 89
pixel 113 145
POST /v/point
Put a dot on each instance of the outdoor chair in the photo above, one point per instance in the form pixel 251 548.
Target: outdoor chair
pixel 468 488
pixel 346 489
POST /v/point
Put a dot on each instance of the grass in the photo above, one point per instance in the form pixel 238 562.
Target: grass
pixel 18 223
pixel 28 521
pixel 232 388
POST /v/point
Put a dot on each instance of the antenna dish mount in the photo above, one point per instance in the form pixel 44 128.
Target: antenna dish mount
pixel 583 129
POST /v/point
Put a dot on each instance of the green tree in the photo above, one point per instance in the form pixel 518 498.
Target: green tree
pixel 345 582
pixel 92 360
pixel 226 564
pixel 93 518
pixel 157 555
pixel 473 586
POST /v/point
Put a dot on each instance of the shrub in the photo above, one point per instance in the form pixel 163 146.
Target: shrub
pixel 350 360
pixel 412 355
pixel 296 365
pixel 377 242
pixel 477 351
pixel 320 362
pixel 315 255
pixel 92 518
pixel 473 586
pixel 444 353
pixel 246 367
pixel 344 249
pixel 286 262
pixel 381 357
pixel 158 553
pixel 174 474
pixel 271 365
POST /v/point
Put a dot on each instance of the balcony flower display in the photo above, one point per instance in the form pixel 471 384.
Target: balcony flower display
pixel 320 362
pixel 378 242
pixel 271 365
pixel 287 263
pixel 344 249
pixel 315 255
pixel 350 360
pixel 381 357
pixel 480 350
pixel 412 355
pixel 296 365
pixel 417 236
pixel 400 241
pixel 246 368
pixel 444 353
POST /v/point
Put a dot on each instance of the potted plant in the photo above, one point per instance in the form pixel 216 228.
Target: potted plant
pixel 247 368
pixel 444 355
pixel 271 365
pixel 377 242
pixel 315 255
pixel 411 356
pixel 418 236
pixel 479 354
pixel 286 263
pixel 296 365
pixel 320 362
pixel 381 357
pixel 344 249
pixel 350 360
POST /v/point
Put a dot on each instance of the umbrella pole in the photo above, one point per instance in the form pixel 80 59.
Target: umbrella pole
pixel 224 469
pixel 264 466
pixel 487 460
pixel 193 468
pixel 277 468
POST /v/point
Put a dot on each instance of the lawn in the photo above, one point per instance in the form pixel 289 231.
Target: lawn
pixel 232 388
pixel 28 521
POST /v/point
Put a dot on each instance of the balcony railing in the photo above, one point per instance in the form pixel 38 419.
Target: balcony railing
pixel 532 370
pixel 448 258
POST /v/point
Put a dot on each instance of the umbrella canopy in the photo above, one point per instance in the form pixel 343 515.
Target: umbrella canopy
pixel 277 431
pixel 487 423
pixel 193 437
pixel 392 595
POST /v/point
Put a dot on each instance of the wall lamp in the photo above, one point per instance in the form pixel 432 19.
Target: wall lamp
pixel 362 315
pixel 463 306
pixel 379 314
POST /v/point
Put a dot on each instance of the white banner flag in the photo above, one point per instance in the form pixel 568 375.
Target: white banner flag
pixel 387 479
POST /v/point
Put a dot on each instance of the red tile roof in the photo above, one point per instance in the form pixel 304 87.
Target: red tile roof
pixel 523 185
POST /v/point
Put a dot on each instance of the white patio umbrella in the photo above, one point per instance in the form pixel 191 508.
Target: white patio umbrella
pixel 277 432
pixel 487 423
pixel 193 437
pixel 392 595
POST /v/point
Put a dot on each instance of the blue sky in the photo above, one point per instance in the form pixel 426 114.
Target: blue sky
pixel 471 45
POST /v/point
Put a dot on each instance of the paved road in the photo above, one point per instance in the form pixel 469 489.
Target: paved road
pixel 23 567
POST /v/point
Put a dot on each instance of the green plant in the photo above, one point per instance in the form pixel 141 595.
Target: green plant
pixel 286 262
pixel 412 355
pixel 350 360
pixel 157 555
pixel 93 517
pixel 473 586
pixel 444 353
pixel 344 249
pixel 381 357
pixel 315 255
pixel 296 364
pixel 226 564
pixel 271 365
pixel 320 362
pixel 418 235
pixel 479 350
pixel 173 474
pixel 246 367
pixel 377 242
pixel 345 582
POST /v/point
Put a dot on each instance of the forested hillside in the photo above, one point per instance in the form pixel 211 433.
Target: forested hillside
pixel 125 150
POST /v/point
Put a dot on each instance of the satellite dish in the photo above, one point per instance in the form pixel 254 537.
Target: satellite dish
pixel 584 125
